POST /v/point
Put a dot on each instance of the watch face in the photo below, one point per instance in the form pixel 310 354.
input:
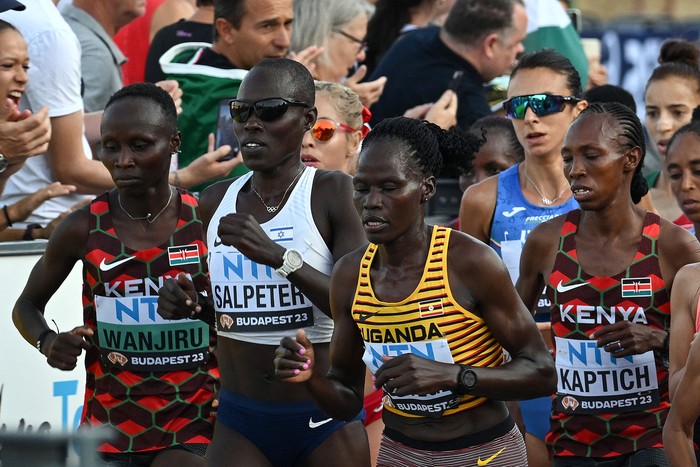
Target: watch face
pixel 3 163
pixel 468 379
pixel 294 259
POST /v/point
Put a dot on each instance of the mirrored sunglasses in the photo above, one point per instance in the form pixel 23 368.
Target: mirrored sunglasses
pixel 324 129
pixel 267 110
pixel 541 104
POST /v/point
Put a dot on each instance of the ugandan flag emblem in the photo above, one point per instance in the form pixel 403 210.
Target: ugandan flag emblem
pixel 184 254
pixel 430 308
pixel 636 287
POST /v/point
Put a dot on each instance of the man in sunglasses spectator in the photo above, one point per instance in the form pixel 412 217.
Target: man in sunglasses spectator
pixel 245 32
pixel 272 247
pixel 481 38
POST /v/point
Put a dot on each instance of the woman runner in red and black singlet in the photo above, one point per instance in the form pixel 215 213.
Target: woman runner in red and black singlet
pixel 150 380
pixel 608 268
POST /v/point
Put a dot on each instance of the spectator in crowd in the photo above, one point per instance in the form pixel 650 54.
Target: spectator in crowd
pixel 609 269
pixel 392 19
pixel 169 12
pixel 481 38
pixel 21 135
pixel 128 240
pixel 293 222
pixel 196 28
pixel 430 330
pixel 131 39
pixel 210 75
pixel 672 92
pixel 334 139
pixel 95 22
pixel 339 28
pixel 55 83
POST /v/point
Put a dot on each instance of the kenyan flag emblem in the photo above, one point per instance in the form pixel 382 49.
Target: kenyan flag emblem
pixel 184 254
pixel 636 287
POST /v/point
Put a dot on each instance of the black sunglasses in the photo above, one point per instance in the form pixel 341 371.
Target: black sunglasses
pixel 267 110
pixel 541 104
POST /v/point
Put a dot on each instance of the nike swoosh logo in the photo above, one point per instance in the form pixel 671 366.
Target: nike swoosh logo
pixel 513 211
pixel 487 461
pixel 313 424
pixel 565 288
pixel 106 267
pixel 217 241
pixel 378 408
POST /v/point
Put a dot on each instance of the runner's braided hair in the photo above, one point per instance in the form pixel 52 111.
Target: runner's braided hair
pixel 436 152
pixel 630 134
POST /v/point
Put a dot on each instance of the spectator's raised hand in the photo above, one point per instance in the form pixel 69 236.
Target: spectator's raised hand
pixel 173 88
pixel 307 57
pixel 23 134
pixel 208 166
pixel 443 113
pixel 370 91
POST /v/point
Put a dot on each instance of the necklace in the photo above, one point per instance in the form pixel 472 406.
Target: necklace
pixel 150 219
pixel 275 208
pixel 546 201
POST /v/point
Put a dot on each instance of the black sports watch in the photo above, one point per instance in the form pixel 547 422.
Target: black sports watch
pixel 466 380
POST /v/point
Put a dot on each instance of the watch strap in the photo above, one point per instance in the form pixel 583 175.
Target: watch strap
pixel 28 232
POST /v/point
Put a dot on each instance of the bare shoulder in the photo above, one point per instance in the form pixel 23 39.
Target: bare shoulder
pixel 69 239
pixel 547 233
pixel 211 197
pixel 346 268
pixel 677 246
pixel 470 251
pixel 481 196
pixel 326 181
pixel 476 208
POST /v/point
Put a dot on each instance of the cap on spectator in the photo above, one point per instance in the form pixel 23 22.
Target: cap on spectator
pixel 11 5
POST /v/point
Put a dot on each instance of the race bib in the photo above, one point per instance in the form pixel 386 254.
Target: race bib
pixel 134 337
pixel 251 297
pixel 423 405
pixel 591 380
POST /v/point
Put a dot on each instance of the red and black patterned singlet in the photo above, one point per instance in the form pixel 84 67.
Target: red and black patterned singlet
pixel 606 406
pixel 151 380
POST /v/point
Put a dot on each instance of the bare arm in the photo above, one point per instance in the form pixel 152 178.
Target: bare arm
pixel 476 209
pixel 530 373
pixel 67 159
pixel 684 298
pixel 685 410
pixel 62 252
pixel 340 392
pixel 536 260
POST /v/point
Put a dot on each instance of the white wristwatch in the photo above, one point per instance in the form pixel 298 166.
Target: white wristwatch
pixel 291 261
